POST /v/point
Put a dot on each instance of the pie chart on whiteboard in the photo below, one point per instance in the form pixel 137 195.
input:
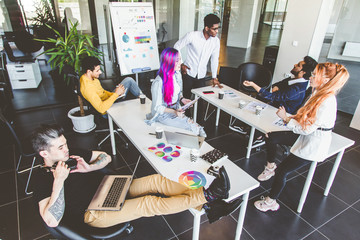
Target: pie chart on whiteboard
pixel 192 179
pixel 125 38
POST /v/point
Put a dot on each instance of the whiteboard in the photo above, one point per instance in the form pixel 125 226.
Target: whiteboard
pixel 135 36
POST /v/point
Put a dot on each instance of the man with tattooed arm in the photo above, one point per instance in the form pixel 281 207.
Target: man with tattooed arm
pixel 62 193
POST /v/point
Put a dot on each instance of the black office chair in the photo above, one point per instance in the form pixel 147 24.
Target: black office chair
pixel 254 72
pixel 66 230
pixel 12 58
pixel 258 74
pixel 74 77
pixel 70 228
pixel 20 150
pixel 228 76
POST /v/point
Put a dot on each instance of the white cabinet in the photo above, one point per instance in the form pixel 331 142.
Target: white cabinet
pixel 24 75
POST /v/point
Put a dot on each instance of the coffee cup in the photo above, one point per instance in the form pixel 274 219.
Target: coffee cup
pixel 194 155
pixel 142 99
pixel 258 110
pixel 242 104
pixel 159 132
pixel 221 94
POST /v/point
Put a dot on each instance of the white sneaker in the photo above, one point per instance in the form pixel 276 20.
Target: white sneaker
pixel 237 129
pixel 264 206
pixel 202 132
pixel 267 173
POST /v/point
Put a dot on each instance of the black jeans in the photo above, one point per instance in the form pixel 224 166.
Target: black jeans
pixel 283 137
pixel 190 83
pixel 290 164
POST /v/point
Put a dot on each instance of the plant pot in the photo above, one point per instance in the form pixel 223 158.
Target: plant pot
pixel 82 124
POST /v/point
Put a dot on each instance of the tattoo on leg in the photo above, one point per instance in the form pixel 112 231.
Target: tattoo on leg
pixel 58 208
pixel 100 158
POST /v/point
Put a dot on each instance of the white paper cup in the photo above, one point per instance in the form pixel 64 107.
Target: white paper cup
pixel 242 104
pixel 258 110
pixel 159 132
pixel 194 155
pixel 221 94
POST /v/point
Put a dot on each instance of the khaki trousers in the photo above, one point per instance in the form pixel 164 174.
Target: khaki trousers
pixel 141 203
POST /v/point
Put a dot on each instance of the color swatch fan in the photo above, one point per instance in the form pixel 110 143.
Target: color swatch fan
pixel 192 179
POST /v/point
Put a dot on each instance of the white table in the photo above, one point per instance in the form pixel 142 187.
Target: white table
pixel 130 115
pixel 263 122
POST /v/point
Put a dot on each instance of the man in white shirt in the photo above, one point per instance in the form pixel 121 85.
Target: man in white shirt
pixel 201 45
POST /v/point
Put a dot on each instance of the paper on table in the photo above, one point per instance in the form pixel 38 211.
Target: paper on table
pixel 280 123
pixel 252 105
pixel 186 106
pixel 230 94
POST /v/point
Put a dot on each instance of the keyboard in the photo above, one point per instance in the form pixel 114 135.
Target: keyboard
pixel 213 156
pixel 114 193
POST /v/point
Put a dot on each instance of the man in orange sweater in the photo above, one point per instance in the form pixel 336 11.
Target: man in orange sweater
pixel 94 93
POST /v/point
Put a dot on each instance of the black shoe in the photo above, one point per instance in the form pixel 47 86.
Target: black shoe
pixel 219 208
pixel 219 188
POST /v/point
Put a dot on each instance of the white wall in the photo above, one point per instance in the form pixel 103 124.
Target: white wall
pixel 347 29
pixel 304 27
pixel 257 16
pixel 100 20
pixel 241 24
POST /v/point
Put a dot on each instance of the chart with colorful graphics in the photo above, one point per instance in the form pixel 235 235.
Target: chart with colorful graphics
pixel 165 152
pixel 192 179
pixel 135 36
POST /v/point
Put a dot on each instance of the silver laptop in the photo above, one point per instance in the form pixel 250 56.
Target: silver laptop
pixel 112 191
pixel 184 139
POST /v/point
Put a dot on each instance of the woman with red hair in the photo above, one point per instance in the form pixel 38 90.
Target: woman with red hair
pixel 167 96
pixel 314 122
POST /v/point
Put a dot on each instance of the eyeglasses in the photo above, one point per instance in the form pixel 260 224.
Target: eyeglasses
pixel 214 29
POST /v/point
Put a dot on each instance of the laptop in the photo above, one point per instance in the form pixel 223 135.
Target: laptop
pixel 112 191
pixel 184 139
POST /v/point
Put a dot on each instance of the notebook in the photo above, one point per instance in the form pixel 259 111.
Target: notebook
pixel 184 139
pixel 112 191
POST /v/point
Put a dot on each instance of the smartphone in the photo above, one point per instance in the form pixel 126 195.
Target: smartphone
pixel 71 162
pixel 208 92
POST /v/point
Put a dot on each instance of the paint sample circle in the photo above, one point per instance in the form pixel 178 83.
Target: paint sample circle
pixel 168 149
pixel 152 149
pixel 160 154
pixel 192 179
pixel 175 154
pixel 160 145
pixel 167 158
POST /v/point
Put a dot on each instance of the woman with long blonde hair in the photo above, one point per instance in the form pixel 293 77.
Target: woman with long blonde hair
pixel 314 122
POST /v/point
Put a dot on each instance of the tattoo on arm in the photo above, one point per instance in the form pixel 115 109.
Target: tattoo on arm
pixel 101 158
pixel 58 208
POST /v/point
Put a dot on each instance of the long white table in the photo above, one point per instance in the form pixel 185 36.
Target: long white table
pixel 263 122
pixel 130 115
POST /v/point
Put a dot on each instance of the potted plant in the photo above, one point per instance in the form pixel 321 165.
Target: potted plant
pixel 69 51
pixel 44 16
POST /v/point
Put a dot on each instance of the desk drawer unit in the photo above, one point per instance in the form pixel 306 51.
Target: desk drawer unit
pixel 24 75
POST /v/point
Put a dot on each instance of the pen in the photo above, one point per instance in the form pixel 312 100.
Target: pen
pixel 152 134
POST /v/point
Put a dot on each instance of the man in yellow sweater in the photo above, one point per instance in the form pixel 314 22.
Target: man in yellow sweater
pixel 94 93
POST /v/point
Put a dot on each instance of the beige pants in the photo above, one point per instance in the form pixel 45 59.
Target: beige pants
pixel 140 202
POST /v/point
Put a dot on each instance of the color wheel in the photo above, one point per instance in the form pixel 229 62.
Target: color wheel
pixel 192 179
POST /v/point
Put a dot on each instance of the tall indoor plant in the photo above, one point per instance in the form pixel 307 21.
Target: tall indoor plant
pixel 70 50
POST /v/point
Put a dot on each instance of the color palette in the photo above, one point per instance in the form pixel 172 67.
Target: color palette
pixel 165 152
pixel 192 179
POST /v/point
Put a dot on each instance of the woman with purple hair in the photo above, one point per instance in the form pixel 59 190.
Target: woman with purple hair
pixel 166 91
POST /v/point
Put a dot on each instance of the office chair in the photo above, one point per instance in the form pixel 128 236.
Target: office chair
pixel 228 76
pixel 254 72
pixel 12 58
pixel 258 74
pixel 74 77
pixel 21 152
pixel 70 228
